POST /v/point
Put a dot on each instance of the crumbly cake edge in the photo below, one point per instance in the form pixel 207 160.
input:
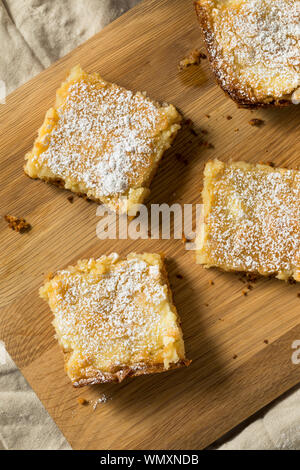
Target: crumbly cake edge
pixel 126 371
pixel 134 196
pixel 233 92
pixel 201 257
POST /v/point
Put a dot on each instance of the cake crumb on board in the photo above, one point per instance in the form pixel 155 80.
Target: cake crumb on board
pixel 18 224
pixel 256 122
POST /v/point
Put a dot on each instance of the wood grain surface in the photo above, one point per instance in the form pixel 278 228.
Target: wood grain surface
pixel 241 346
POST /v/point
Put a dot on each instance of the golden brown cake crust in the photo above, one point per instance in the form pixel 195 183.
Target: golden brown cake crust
pixel 243 97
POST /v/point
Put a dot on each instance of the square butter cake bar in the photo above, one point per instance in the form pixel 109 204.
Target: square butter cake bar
pixel 102 141
pixel 251 219
pixel 115 318
pixel 254 49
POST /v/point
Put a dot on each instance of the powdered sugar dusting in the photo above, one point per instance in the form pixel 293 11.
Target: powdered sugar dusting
pixel 257 44
pixel 114 318
pixel 101 400
pixel 254 221
pixel 105 139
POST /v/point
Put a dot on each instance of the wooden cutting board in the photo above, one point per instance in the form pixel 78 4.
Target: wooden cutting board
pixel 241 346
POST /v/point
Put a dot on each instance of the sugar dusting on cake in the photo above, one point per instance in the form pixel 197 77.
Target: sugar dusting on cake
pixel 111 319
pixel 254 220
pixel 105 139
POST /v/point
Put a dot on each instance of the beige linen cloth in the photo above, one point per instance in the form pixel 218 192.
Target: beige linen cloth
pixel 33 34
